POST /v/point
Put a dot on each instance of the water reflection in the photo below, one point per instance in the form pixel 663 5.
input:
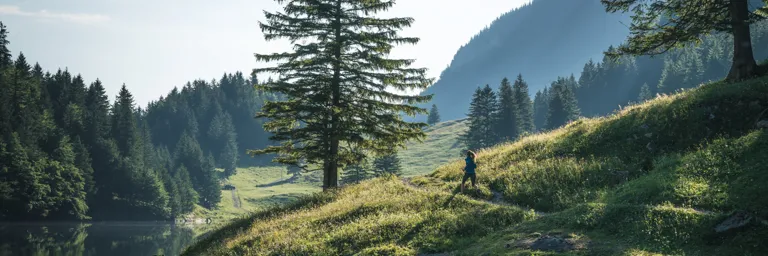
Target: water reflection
pixel 103 238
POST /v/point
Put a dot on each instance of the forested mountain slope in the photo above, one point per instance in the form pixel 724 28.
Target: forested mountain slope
pixel 541 41
pixel 68 153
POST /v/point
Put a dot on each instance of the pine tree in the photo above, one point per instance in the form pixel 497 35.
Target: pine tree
pixel 336 86
pixel 24 96
pixel 189 155
pixel 124 124
pixel 223 138
pixel 541 108
pixel 687 21
pixel 356 172
pixel 5 53
pixel 507 125
pixel 563 107
pixel 434 116
pixel 186 193
pixel 645 93
pixel 482 120
pixel 386 165
pixel 96 114
pixel 524 106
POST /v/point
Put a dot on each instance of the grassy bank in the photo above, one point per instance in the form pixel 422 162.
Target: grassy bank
pixel 651 179
pixel 259 188
pixel 440 147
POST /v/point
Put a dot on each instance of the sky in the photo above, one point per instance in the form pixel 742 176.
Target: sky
pixel 154 46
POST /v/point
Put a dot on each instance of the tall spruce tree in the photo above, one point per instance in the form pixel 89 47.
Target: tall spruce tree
pixel 387 164
pixel 124 128
pixel 97 125
pixel 434 116
pixel 482 119
pixel 645 93
pixel 507 121
pixel 5 53
pixel 357 172
pixel 685 22
pixel 189 155
pixel 563 107
pixel 540 108
pixel 524 105
pixel 335 83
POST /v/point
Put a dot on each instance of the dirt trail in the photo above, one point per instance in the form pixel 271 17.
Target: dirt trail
pixel 498 198
pixel 235 198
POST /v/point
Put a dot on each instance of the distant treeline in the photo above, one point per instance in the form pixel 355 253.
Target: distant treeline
pixel 68 153
pixel 603 87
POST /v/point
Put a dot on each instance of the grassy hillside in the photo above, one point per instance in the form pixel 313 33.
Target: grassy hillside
pixel 259 188
pixel 440 147
pixel 652 179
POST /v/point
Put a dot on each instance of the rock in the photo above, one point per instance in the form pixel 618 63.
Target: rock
pixel 648 135
pixel 762 124
pixel 711 116
pixel 644 126
pixel 552 243
pixel 736 220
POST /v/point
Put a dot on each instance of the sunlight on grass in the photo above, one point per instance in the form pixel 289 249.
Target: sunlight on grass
pixel 651 179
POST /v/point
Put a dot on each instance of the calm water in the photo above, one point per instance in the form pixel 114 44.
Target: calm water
pixel 98 238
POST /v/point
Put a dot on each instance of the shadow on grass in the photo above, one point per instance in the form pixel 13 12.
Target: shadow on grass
pixel 275 200
pixel 289 180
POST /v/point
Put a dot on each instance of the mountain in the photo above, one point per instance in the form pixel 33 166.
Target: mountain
pixel 541 40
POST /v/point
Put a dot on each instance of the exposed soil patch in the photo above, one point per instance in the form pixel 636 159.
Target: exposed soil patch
pixel 551 243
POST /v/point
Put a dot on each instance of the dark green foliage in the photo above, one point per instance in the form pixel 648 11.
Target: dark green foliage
pixel 335 86
pixel 524 105
pixel 541 108
pixel 67 153
pixel 685 22
pixel 645 93
pixel 357 172
pixel 124 124
pixel 5 53
pixel 563 107
pixel 605 86
pixel 189 155
pixel 507 125
pixel 482 120
pixel 387 165
pixel 186 195
pixel 221 132
pixel 434 116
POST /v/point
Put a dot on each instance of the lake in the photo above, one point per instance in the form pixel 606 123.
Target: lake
pixel 95 238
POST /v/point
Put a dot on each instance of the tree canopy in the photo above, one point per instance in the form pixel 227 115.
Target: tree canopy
pixel 334 83
pixel 660 25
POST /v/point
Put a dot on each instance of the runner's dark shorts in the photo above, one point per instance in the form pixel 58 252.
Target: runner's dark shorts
pixel 471 176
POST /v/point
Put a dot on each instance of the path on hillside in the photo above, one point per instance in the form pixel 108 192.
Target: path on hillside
pixel 497 199
pixel 235 198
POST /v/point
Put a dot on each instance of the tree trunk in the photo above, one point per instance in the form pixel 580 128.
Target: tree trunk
pixel 744 65
pixel 331 175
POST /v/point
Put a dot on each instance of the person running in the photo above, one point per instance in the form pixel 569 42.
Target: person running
pixel 469 170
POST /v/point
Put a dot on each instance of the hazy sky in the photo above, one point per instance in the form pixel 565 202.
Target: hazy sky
pixel 152 46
